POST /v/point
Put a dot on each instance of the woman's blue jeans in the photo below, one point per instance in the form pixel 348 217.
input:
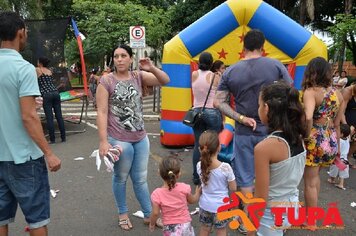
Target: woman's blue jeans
pixel 133 161
pixel 210 120
pixel 51 101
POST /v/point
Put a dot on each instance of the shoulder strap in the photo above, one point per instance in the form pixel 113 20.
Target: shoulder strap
pixel 207 96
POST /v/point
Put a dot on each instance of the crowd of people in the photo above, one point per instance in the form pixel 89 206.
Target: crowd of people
pixel 279 138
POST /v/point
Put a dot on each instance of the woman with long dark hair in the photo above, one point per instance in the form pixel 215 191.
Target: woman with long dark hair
pixel 322 109
pixel 51 99
pixel 120 122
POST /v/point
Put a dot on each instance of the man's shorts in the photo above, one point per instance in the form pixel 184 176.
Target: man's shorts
pixel 25 184
pixel 244 161
pixel 209 219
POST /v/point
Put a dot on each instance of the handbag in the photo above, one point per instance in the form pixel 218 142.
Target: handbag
pixel 192 116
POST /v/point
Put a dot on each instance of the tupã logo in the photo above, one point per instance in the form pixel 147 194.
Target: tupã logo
pixel 329 218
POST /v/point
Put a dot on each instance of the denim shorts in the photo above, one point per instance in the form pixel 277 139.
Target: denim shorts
pixel 209 219
pixel 244 161
pixel 25 184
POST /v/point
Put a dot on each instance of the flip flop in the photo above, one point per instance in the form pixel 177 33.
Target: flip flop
pixel 339 187
pixel 332 181
pixel 125 224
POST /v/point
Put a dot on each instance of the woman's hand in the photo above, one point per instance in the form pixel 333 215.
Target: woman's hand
pixel 146 64
pixel 104 148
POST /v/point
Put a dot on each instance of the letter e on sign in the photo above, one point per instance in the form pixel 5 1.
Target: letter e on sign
pixel 137 37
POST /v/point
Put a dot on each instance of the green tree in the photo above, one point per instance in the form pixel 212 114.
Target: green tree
pixel 106 24
pixel 28 9
pixel 164 4
pixel 185 12
pixel 344 33
pixel 57 9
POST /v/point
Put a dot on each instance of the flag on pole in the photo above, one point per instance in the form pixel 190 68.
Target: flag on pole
pixel 81 37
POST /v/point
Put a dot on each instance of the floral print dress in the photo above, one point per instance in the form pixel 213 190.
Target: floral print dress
pixel 322 142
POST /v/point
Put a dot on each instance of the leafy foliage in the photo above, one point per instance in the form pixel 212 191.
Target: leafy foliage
pixel 28 9
pixel 106 25
pixel 344 31
pixel 57 9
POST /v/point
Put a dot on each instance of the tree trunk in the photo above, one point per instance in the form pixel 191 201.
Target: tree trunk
pixel 348 7
pixel 310 9
pixel 302 11
pixel 352 46
pixel 342 53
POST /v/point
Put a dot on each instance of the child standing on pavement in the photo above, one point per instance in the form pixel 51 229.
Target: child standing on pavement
pixel 172 200
pixel 217 179
pixel 280 157
pixel 344 150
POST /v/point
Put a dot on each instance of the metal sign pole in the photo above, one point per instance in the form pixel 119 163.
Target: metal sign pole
pixel 136 59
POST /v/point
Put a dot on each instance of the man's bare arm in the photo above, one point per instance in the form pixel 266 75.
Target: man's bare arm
pixel 221 102
pixel 33 126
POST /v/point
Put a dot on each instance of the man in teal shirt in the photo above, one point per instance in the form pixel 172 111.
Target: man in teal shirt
pixel 24 150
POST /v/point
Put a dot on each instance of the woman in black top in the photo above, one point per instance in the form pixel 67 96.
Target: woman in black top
pixel 349 109
pixel 51 99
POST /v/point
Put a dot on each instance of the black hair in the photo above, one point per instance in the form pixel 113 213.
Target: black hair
pixel 345 130
pixel 169 169
pixel 208 146
pixel 205 61
pixel 254 39
pixel 216 65
pixel 123 46
pixel 126 48
pixel 285 111
pixel 44 61
pixel 10 23
pixel 317 73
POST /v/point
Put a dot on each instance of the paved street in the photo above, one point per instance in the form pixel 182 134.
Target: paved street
pixel 85 206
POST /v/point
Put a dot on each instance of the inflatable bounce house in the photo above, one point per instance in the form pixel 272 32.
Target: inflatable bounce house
pixel 221 32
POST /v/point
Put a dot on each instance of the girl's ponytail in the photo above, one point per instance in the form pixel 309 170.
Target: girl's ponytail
pixel 285 111
pixel 169 170
pixel 172 180
pixel 296 116
pixel 205 162
pixel 208 146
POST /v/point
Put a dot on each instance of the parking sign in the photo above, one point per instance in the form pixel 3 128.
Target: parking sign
pixel 137 37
